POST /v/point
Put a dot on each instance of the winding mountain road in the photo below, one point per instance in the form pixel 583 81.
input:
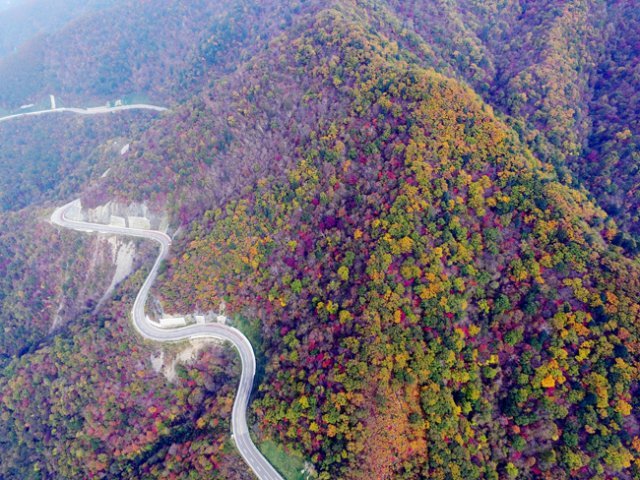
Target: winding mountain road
pixel 85 111
pixel 149 330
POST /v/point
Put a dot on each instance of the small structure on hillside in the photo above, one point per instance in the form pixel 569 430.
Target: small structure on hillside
pixel 141 223
pixel 117 221
pixel 173 322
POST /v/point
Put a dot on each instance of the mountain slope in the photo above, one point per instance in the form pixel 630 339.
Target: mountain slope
pixel 419 276
pixel 88 404
pixel 134 47
pixel 22 21
pixel 158 49
pixel 564 74
pixel 430 295
pixel 43 158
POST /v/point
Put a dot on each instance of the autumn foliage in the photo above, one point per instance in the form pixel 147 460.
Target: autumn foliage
pixel 411 207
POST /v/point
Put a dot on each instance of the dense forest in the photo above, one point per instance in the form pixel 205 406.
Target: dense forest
pixel 87 404
pixel 423 213
pixel 43 159
pixel 564 73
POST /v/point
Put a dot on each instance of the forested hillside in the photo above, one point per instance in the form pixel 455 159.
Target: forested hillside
pixel 131 48
pixel 52 157
pixel 88 404
pixel 420 279
pixel 22 21
pixel 164 50
pixel 564 72
pixel 423 214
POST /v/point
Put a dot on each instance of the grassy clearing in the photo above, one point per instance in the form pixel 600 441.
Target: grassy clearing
pixel 290 465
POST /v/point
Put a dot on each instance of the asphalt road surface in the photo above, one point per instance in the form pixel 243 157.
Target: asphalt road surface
pixel 150 330
pixel 86 111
